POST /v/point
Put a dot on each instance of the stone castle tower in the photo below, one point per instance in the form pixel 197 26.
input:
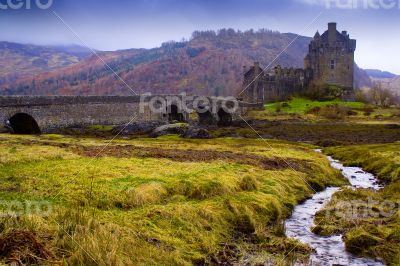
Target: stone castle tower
pixel 331 58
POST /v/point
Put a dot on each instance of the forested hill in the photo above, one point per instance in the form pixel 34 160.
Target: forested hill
pixel 210 63
pixel 18 61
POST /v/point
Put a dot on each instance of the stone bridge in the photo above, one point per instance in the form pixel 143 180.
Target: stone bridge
pixel 46 114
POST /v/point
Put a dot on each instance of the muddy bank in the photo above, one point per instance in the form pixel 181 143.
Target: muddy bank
pixel 181 155
pixel 320 133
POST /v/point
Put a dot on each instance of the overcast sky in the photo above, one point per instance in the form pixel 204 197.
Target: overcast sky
pixel 122 24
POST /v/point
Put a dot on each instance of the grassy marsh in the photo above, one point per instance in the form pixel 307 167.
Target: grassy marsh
pixel 303 109
pixel 223 200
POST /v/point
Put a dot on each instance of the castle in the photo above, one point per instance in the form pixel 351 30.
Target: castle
pixel 330 61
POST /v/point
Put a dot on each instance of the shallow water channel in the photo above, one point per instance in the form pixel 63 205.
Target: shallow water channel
pixel 328 250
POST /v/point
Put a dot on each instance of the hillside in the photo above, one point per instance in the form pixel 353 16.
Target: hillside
pixel 25 60
pixel 210 63
pixel 392 84
pixel 376 73
pixel 361 78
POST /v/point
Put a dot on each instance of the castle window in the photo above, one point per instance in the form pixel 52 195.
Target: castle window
pixel 332 64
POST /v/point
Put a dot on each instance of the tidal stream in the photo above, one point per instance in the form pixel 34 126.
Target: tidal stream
pixel 328 250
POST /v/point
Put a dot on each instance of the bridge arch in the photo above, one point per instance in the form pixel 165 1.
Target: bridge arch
pixel 23 123
pixel 224 118
pixel 174 114
pixel 205 116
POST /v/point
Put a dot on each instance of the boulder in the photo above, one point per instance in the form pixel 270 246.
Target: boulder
pixel 196 133
pixel 170 129
pixel 137 128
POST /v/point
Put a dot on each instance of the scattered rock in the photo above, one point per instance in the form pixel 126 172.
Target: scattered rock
pixel 196 133
pixel 138 128
pixel 170 129
pixel 353 176
pixel 359 172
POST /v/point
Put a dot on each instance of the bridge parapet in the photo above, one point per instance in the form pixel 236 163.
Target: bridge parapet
pixel 51 113
pixel 13 101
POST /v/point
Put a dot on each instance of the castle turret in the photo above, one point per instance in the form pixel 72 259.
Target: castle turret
pixel 332 33
pixel 331 58
pixel 257 77
pixel 253 87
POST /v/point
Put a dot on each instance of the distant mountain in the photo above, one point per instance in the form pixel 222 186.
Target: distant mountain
pixel 376 73
pixel 25 60
pixel 210 63
pixel 392 84
pixel 386 79
pixel 73 49
pixel 361 78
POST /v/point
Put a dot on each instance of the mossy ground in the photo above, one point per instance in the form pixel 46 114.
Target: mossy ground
pixel 369 220
pixel 318 133
pixel 302 105
pixel 155 207
pixel 302 109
